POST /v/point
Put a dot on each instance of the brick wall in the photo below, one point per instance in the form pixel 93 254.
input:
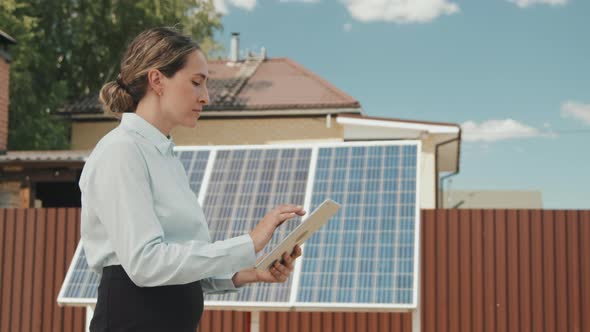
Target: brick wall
pixel 4 84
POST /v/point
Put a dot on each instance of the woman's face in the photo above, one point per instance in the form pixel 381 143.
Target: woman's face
pixel 185 93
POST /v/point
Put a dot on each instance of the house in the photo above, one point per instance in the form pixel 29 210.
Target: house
pixel 33 178
pixel 256 100
pixel 492 199
pixel 7 190
pixel 260 101
pixel 5 58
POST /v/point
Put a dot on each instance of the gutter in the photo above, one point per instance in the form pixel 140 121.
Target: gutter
pixel 231 114
pixel 439 194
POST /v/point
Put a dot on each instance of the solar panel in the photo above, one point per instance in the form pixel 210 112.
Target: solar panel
pixel 82 283
pixel 364 257
pixel 195 163
pixel 365 254
pixel 244 186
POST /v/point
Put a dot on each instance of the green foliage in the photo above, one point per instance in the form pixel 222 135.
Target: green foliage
pixel 68 49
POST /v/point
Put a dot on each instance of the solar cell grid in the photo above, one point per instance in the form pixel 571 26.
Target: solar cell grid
pixel 365 254
pixel 244 186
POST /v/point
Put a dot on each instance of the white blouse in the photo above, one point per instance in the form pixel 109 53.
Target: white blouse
pixel 139 211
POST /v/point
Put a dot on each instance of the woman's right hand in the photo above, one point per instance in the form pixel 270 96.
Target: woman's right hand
pixel 262 233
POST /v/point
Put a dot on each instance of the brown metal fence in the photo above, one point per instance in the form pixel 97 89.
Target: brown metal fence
pixel 505 270
pixel 37 246
pixel 335 321
pixel 482 270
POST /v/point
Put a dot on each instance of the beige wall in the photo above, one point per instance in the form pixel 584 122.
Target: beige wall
pixel 85 135
pixel 256 131
pixel 427 176
pixel 9 194
pixel 261 131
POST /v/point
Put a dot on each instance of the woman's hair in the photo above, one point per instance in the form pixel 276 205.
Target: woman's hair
pixel 165 49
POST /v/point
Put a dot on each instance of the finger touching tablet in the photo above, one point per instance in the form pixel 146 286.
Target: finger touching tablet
pixel 306 228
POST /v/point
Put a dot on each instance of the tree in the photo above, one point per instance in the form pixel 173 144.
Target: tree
pixel 67 49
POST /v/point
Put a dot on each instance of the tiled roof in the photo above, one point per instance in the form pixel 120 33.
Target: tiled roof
pixel 45 156
pixel 257 85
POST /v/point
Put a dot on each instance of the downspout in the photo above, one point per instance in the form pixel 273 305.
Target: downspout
pixel 439 193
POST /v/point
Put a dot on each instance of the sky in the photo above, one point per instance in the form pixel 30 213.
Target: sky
pixel 515 74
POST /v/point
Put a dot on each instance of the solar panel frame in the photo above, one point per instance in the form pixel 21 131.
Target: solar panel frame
pixel 249 183
pixel 293 304
pixel 334 306
pixel 308 200
pixel 246 305
pixel 310 306
pixel 62 299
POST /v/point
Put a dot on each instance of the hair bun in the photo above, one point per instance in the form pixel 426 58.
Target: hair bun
pixel 115 99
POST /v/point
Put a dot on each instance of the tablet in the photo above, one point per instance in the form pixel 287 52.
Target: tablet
pixel 306 228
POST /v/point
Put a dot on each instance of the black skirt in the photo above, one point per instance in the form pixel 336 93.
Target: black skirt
pixel 123 306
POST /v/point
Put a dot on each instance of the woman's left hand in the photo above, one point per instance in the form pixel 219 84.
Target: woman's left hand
pixel 279 272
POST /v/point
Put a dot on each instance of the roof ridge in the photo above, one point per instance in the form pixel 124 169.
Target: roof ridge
pixel 244 75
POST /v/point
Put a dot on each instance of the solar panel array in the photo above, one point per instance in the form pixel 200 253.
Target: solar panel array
pixel 364 256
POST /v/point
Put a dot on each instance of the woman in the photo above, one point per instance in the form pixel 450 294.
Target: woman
pixel 142 227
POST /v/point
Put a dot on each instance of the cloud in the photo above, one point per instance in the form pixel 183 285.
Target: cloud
pixel 528 3
pixel 222 5
pixel 400 11
pixel 304 1
pixel 347 27
pixel 496 130
pixel 577 111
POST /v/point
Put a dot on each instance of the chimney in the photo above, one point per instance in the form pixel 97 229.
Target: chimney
pixel 5 41
pixel 263 53
pixel 234 55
